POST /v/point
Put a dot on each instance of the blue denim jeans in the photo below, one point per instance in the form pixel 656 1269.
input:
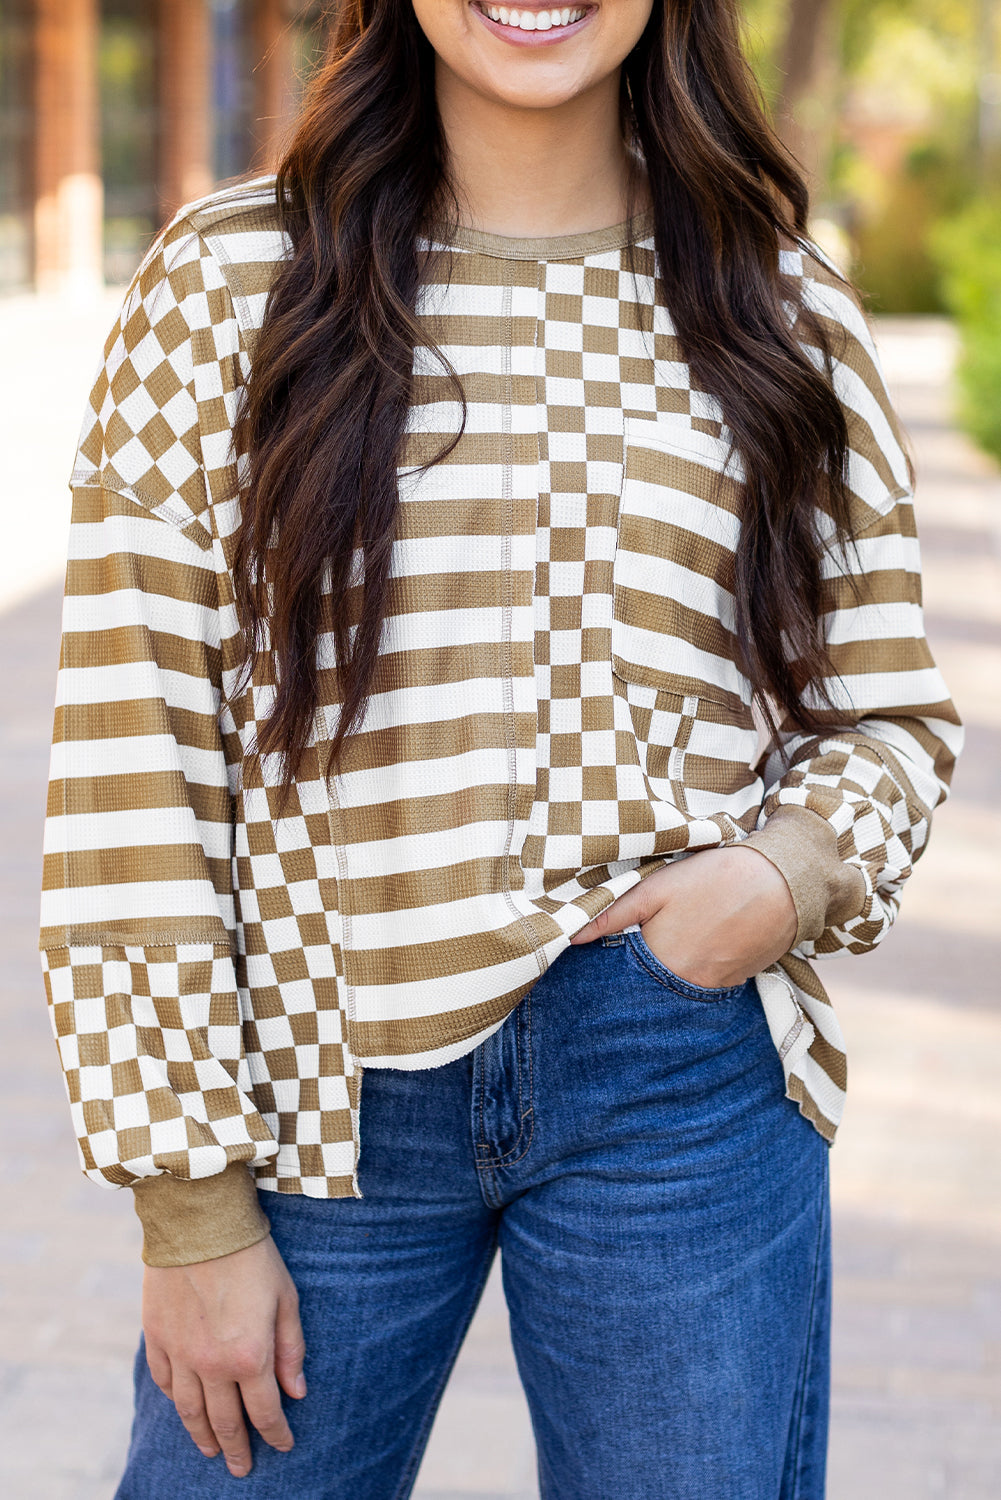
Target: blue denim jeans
pixel 661 1212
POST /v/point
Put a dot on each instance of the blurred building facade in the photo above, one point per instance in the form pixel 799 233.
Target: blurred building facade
pixel 114 112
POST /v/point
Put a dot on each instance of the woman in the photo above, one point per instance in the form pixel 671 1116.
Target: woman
pixel 439 518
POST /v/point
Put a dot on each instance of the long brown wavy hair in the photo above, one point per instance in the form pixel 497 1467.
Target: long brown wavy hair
pixel 326 402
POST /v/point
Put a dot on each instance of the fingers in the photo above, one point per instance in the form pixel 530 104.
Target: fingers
pixel 290 1346
pixel 189 1401
pixel 213 1417
pixel 213 1413
pixel 159 1368
pixel 220 1336
pixel 224 1414
pixel 262 1401
pixel 634 906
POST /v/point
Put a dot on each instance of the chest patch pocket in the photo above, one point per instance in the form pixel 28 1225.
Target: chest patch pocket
pixel 673 580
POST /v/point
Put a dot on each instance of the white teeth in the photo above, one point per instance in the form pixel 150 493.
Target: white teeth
pixel 530 20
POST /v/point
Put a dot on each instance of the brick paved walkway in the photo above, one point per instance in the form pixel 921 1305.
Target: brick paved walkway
pixel 917 1184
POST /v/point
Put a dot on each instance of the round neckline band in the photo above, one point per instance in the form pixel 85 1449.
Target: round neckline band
pixel 554 247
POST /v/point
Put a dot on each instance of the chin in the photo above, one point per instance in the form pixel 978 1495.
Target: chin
pixel 528 93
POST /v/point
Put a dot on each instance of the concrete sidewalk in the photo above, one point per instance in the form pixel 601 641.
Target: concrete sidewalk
pixel 917 1180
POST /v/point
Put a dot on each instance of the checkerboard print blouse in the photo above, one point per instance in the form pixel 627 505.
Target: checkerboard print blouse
pixel 558 710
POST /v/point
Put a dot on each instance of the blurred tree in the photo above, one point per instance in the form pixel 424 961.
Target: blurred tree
pixel 909 137
pixel 894 109
pixel 988 133
pixel 807 62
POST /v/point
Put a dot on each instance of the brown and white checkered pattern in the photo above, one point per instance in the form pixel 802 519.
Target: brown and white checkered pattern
pixel 558 709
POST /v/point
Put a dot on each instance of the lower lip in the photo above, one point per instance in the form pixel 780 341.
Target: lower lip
pixel 518 38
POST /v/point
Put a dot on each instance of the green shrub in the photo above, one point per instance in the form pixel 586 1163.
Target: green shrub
pixel 894 267
pixel 967 249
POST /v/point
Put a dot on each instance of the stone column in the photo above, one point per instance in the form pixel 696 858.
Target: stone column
pixel 185 102
pixel 274 78
pixel 69 206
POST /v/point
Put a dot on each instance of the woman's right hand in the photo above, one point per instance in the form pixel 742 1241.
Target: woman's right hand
pixel 224 1332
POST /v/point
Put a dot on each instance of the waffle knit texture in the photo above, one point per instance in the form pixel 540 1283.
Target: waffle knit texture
pixel 559 709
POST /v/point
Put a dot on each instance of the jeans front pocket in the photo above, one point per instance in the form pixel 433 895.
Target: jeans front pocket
pixel 657 969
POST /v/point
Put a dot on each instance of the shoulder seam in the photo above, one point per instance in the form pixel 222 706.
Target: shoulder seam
pixel 213 237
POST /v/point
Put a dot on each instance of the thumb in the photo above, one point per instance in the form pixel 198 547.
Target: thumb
pixel 628 909
pixel 290 1348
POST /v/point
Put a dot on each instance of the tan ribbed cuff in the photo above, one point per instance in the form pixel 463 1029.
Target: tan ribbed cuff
pixel 803 847
pixel 200 1219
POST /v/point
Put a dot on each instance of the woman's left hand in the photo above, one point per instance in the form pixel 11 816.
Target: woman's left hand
pixel 714 918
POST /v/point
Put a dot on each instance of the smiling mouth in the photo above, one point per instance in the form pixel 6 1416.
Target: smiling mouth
pixel 533 20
